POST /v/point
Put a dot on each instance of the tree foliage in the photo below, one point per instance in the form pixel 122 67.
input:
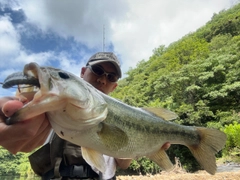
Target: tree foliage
pixel 197 77
pixel 233 140
pixel 14 165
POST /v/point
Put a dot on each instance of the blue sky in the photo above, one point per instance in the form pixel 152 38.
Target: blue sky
pixel 65 33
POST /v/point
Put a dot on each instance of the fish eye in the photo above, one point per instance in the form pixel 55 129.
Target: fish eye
pixel 63 75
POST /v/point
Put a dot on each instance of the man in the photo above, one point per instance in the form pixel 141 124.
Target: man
pixel 59 158
pixel 102 71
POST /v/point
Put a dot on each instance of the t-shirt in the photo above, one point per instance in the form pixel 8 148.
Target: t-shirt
pixel 110 167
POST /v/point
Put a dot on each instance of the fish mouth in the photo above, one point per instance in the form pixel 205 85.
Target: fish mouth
pixel 28 77
pixel 32 78
pixel 19 78
pixel 47 89
pixel 33 88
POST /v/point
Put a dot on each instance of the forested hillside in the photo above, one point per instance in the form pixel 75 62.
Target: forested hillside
pixel 198 77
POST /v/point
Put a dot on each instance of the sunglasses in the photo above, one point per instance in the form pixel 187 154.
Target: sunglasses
pixel 99 71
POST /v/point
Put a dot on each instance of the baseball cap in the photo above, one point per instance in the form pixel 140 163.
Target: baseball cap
pixel 105 57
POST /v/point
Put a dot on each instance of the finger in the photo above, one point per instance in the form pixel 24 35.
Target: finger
pixel 7 98
pixel 3 100
pixel 166 146
pixel 10 107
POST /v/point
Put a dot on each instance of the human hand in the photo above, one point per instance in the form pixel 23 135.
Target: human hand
pixel 166 146
pixel 23 136
pixel 123 163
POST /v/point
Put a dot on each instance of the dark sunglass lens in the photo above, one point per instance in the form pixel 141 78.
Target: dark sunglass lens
pixel 112 77
pixel 97 70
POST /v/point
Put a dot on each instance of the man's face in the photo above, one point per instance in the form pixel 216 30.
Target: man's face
pixel 100 82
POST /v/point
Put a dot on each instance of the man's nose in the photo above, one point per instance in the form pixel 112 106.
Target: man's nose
pixel 102 79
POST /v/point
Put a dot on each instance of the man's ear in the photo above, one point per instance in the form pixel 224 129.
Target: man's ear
pixel 115 85
pixel 82 71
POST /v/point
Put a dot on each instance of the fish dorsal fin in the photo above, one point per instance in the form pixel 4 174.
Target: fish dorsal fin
pixel 161 112
pixel 94 158
pixel 112 136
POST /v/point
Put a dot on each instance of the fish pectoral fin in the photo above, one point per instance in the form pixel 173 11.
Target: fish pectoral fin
pixel 162 113
pixel 94 158
pixel 211 141
pixel 112 136
pixel 162 159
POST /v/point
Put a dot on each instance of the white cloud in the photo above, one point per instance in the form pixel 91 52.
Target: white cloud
pixel 82 19
pixel 69 64
pixel 133 27
pixel 9 41
pixel 153 23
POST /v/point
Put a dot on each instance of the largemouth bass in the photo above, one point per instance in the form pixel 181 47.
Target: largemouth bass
pixel 81 114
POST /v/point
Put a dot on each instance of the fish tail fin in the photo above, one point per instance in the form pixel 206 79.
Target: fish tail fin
pixel 212 141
